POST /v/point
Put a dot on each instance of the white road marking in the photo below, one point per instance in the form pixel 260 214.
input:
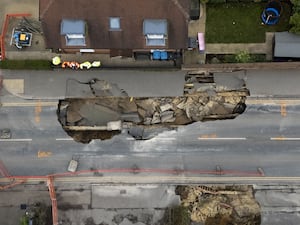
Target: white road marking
pixel 64 139
pixel 19 140
pixel 222 138
pixel 284 139
pixel 154 139
pixel 130 138
pixel 28 104
pixel 165 138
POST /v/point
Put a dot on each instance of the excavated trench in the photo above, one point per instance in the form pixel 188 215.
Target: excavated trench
pixel 105 110
pixel 222 205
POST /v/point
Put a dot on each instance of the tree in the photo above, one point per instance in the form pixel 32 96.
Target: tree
pixel 295 22
pixel 296 6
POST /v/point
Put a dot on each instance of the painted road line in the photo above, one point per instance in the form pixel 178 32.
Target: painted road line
pixel 164 138
pixel 130 138
pixel 44 154
pixel 222 138
pixel 283 109
pixel 154 138
pixel 284 139
pixel 64 139
pixel 271 101
pixel 28 104
pixel 204 136
pixel 37 112
pixel 17 140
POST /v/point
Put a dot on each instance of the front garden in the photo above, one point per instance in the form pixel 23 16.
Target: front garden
pixel 25 64
pixel 239 22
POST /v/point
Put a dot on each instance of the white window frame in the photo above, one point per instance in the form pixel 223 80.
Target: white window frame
pixel 114 20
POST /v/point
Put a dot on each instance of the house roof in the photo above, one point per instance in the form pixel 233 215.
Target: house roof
pixel 287 45
pixel 132 13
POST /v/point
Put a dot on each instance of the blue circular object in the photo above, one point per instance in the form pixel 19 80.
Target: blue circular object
pixel 270 16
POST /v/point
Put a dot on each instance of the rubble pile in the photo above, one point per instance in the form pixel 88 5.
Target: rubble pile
pixel 191 108
pixel 221 205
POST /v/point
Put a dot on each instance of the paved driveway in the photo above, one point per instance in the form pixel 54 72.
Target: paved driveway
pixel 16 6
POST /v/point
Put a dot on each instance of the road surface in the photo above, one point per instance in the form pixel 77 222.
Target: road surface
pixel 265 136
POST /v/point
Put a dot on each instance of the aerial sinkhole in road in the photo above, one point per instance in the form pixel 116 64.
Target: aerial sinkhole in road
pixel 101 109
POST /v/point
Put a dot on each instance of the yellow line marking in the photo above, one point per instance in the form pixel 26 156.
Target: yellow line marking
pixel 206 136
pixel 38 110
pixel 43 154
pixel 283 109
pixel 279 138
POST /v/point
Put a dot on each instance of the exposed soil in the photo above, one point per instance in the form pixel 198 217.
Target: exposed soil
pixel 220 205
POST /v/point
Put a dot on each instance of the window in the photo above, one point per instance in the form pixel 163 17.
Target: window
pixel 155 31
pixel 114 23
pixel 74 32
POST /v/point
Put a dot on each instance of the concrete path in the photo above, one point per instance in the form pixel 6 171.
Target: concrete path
pixel 196 26
pixel 253 48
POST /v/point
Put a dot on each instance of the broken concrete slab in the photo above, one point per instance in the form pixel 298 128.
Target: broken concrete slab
pixel 167 117
pixel 165 107
pixel 98 115
pixel 73 116
pixel 155 118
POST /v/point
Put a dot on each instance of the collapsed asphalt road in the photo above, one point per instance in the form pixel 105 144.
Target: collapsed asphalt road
pixel 105 110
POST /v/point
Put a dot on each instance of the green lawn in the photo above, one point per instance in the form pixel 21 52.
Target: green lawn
pixel 240 22
pixel 26 64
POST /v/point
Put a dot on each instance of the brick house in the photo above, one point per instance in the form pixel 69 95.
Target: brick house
pixel 115 27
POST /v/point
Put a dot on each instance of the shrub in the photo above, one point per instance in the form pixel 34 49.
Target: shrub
pixel 295 22
pixel 296 6
pixel 243 57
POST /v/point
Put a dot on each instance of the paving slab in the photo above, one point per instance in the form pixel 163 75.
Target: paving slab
pixel 128 197
pixel 14 86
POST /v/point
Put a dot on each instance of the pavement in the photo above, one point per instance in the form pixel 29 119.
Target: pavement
pixel 279 204
pixel 77 204
pixel 58 84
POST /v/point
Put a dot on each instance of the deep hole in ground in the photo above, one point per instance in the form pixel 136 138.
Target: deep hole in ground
pixel 104 109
